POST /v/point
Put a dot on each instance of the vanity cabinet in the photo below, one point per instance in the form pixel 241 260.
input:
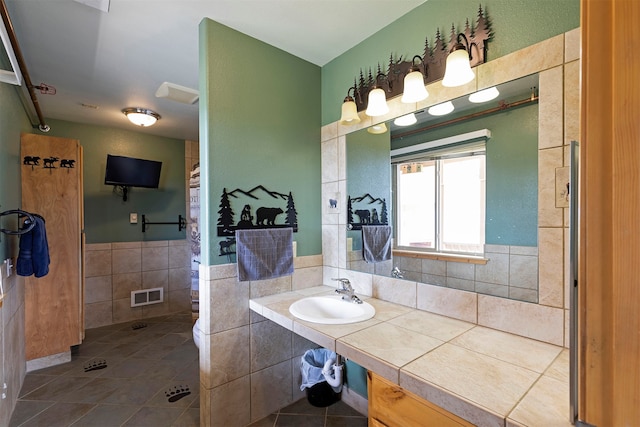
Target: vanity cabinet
pixel 392 406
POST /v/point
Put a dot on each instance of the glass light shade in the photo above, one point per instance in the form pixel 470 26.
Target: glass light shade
pixel 141 116
pixel 377 129
pixel 484 95
pixel 414 89
pixel 349 113
pixel 406 120
pixel 377 103
pixel 458 70
pixel 441 109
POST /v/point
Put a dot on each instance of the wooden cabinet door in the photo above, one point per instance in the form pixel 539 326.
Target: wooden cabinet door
pixel 392 406
pixel 374 422
pixel 53 189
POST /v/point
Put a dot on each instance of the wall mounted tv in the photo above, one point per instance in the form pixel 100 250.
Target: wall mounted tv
pixel 127 172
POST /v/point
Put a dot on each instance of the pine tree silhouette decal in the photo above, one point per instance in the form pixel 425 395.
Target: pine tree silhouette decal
pixel 292 214
pixel 383 213
pixel 225 220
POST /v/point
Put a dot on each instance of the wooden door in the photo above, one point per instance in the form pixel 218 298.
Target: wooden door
pixel 52 188
pixel 609 278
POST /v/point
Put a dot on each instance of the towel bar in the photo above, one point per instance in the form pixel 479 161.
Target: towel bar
pixel 20 213
pixel 182 223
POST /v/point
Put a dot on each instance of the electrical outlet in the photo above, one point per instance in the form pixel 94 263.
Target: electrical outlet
pixel 133 218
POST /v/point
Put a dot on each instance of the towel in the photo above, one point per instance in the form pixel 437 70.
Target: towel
pixel 33 252
pixel 264 253
pixel 376 243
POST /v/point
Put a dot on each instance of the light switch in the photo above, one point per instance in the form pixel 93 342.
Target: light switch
pixel 133 218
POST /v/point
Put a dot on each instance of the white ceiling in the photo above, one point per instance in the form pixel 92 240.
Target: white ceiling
pixel 118 59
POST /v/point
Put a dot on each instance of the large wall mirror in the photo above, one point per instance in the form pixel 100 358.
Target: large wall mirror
pixel 423 163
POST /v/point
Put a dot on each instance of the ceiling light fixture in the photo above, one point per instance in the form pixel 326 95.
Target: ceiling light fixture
pixel 414 88
pixel 458 68
pixel 441 109
pixel 484 95
pixel 141 116
pixel 406 120
pixel 349 110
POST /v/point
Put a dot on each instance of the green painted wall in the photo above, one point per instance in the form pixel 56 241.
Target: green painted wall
pixel 13 121
pixel 512 172
pixel 106 215
pixel 515 24
pixel 368 171
pixel 356 378
pixel 259 125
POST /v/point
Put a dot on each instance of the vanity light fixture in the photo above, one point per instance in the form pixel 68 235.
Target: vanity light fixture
pixel 349 110
pixel 409 78
pixel 441 109
pixel 406 120
pixel 414 87
pixel 458 68
pixel 484 95
pixel 377 129
pixel 377 103
pixel 141 116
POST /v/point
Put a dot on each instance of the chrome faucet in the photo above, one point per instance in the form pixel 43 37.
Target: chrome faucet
pixel 347 291
pixel 397 273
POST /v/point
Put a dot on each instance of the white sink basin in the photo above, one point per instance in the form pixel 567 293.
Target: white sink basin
pixel 331 310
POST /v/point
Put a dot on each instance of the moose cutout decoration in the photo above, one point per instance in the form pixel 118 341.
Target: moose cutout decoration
pixel 48 162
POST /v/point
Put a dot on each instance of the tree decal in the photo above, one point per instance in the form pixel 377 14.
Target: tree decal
pixel 383 212
pixel 292 215
pixel 225 220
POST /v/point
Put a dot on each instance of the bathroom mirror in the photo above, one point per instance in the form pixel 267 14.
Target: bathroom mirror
pixel 506 263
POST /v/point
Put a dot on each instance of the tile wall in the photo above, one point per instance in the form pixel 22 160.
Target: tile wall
pixel 113 270
pixel 557 62
pixel 249 366
pixel 510 272
pixel 12 350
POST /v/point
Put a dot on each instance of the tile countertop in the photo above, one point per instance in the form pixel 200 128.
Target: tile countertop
pixel 488 377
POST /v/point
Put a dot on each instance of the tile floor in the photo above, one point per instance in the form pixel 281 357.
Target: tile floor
pixel 302 414
pixel 141 373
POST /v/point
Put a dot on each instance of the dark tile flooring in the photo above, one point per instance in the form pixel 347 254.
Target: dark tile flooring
pixel 141 374
pixel 302 414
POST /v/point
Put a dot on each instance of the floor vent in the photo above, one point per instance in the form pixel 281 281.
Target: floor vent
pixel 147 296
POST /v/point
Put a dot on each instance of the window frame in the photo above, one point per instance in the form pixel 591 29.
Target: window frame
pixel 438 153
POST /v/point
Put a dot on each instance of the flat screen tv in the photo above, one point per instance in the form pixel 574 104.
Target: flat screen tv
pixel 131 172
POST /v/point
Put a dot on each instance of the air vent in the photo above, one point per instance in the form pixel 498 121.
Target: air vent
pixel 147 296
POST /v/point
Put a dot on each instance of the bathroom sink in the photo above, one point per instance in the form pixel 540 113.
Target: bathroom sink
pixel 331 310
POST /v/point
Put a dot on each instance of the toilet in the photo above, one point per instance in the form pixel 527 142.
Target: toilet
pixel 196 333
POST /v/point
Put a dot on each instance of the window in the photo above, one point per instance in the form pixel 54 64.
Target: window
pixel 440 200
